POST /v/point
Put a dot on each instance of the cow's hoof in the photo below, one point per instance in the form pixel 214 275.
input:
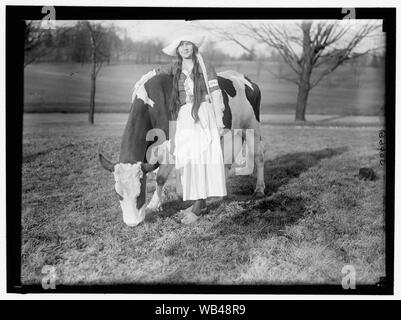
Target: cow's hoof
pixel 258 195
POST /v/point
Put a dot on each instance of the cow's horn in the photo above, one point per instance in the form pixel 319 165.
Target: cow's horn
pixel 147 167
pixel 106 163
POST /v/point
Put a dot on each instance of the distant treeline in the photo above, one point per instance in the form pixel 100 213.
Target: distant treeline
pixel 73 44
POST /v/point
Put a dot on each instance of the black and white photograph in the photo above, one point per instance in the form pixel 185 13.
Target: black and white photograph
pixel 201 151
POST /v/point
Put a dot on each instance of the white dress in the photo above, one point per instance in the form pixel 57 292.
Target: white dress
pixel 198 154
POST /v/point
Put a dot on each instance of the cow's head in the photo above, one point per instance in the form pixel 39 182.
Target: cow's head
pixel 130 186
pixel 148 111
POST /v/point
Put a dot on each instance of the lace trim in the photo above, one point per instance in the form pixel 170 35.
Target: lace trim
pixel 189 87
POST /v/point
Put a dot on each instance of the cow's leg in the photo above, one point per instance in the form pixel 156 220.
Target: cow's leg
pixel 258 155
pixel 227 175
pixel 227 147
pixel 252 151
pixel 243 146
pixel 178 184
pixel 155 203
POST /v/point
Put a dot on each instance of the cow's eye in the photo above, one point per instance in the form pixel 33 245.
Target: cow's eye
pixel 119 196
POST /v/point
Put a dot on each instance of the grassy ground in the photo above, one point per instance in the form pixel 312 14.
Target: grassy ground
pixel 316 218
pixel 65 88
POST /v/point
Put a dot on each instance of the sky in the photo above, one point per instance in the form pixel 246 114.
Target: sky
pixel 166 30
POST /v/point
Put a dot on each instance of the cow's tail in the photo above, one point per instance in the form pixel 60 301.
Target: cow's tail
pixel 254 97
pixel 256 101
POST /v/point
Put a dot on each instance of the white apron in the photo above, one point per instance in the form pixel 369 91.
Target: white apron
pixel 198 154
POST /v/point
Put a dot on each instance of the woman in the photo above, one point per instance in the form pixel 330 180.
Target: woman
pixel 197 105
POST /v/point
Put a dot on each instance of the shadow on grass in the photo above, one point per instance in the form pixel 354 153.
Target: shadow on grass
pixel 277 172
pixel 268 216
pixel 170 208
pixel 276 211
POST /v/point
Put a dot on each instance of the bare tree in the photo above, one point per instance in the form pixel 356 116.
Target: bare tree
pixel 38 41
pixel 311 49
pixel 356 70
pixel 98 55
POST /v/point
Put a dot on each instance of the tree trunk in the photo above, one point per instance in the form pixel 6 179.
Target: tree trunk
pixel 302 100
pixel 93 90
pixel 305 75
pixel 93 77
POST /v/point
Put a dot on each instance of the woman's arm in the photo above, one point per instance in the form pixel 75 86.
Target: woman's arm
pixel 212 78
pixel 217 97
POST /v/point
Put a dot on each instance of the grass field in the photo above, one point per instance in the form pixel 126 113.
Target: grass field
pixel 65 88
pixel 317 216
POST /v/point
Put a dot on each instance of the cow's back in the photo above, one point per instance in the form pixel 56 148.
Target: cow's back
pixel 241 99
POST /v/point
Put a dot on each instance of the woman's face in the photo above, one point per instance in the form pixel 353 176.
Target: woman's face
pixel 186 49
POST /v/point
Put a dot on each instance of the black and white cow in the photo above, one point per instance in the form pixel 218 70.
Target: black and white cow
pixel 149 111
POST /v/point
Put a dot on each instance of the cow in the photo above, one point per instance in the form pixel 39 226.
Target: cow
pixel 150 110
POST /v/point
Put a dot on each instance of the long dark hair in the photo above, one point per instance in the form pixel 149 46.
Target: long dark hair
pixel 175 99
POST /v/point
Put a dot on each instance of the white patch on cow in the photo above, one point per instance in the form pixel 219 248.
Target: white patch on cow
pixel 234 75
pixel 242 112
pixel 128 185
pixel 140 91
pixel 143 95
